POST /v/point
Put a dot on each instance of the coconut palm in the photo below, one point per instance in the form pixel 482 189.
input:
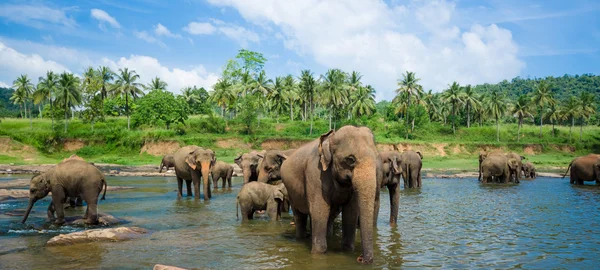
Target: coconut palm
pixel 430 103
pixel 542 96
pixel 453 96
pixel 496 105
pixel 353 84
pixel 25 88
pixel 409 86
pixel 364 101
pixel 46 88
pixel 290 93
pixel 68 94
pixel 587 109
pixel 571 110
pixel 156 84
pixel 520 111
pixel 223 94
pixel 276 97
pixel 471 101
pixel 554 114
pixel 126 85
pixel 18 97
pixel 307 87
pixel 189 95
pixel 332 89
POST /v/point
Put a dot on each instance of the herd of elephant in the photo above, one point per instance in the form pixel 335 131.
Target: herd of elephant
pixel 341 172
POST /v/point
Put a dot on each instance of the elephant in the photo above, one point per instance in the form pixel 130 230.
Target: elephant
pixel 249 162
pixel 584 168
pixel 255 196
pixel 391 179
pixel 499 166
pixel 222 170
pixel 484 154
pixel 529 171
pixel 167 161
pixel 337 171
pixel 519 159
pixel 71 178
pixel 193 163
pixel 269 167
pixel 411 164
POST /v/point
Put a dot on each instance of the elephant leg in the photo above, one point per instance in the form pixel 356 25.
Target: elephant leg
pixel 394 202
pixel 78 201
pixel 224 181
pixel 419 179
pixel 300 220
pixel 179 187
pixel 319 217
pixel 405 179
pixel 349 223
pixel 506 178
pixel 272 210
pixel 92 212
pixel 188 184
pixel 215 182
pixel 51 211
pixel 58 197
pixel 334 214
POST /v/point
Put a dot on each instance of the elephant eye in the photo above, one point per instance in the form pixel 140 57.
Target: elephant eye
pixel 32 190
pixel 350 160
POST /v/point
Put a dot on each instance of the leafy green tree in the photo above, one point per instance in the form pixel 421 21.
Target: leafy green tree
pixel 364 101
pixel 554 115
pixel 542 96
pixel 520 111
pixel 571 110
pixel 290 93
pixel 471 101
pixel 46 89
pixel 307 87
pixel 197 99
pixel 156 84
pixel 333 94
pixel 160 107
pixel 114 106
pixel 408 85
pixel 69 93
pixel 92 97
pixel 252 62
pixel 248 112
pixel 126 85
pixel 223 94
pixel 496 105
pixel 587 109
pixel 277 97
pixel 453 95
pixel 23 91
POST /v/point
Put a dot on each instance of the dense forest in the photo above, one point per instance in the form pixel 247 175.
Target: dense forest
pixel 245 93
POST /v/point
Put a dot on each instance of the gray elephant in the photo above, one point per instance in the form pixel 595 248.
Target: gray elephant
pixel 584 168
pixel 269 167
pixel 192 164
pixel 498 166
pixel 336 172
pixel 167 161
pixel 222 170
pixel 249 162
pixel 391 179
pixel 529 171
pixel 516 175
pixel 71 178
pixel 256 196
pixel 411 164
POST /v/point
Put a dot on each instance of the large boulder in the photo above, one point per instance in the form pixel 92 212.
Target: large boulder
pixel 96 235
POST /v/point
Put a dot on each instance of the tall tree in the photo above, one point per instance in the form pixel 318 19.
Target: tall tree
pixel 587 108
pixel 542 96
pixel 496 107
pixel 106 75
pixel 223 94
pixel 69 93
pixel 554 114
pixel 453 95
pixel 353 85
pixel 520 111
pixel 363 101
pixel 290 93
pixel 126 85
pixel 408 85
pixel 333 91
pixel 308 84
pixel 571 110
pixel 25 88
pixel 156 84
pixel 277 97
pixel 46 90
pixel 471 101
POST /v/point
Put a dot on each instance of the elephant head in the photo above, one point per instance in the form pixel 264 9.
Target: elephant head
pixel 351 157
pixel 249 162
pixel 202 160
pixel 268 169
pixel 280 192
pixel 513 166
pixel 38 188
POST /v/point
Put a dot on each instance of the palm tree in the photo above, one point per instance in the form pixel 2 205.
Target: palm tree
pixel 307 89
pixel 496 107
pixel 408 85
pixel 453 96
pixel 333 91
pixel 542 96
pixel 430 103
pixel 521 110
pixel 554 114
pixel 276 97
pixel 45 91
pixel 571 110
pixel 352 86
pixel 364 101
pixel 470 100
pixel 18 97
pixel 126 85
pixel 587 108
pixel 222 94
pixel 25 88
pixel 69 93
pixel 189 95
pixel 290 93
pixel 156 84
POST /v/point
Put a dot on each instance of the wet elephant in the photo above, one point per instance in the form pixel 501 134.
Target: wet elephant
pixel 584 168
pixel 167 161
pixel 192 164
pixel 270 166
pixel 391 179
pixel 336 171
pixel 222 170
pixel 529 171
pixel 71 178
pixel 257 196
pixel 498 166
pixel 411 163
pixel 249 162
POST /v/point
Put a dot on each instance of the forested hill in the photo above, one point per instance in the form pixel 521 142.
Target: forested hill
pixel 562 87
pixel 6 106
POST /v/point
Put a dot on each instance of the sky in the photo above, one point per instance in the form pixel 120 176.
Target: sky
pixel 188 42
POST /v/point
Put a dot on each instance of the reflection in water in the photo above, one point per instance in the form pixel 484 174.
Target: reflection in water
pixel 449 223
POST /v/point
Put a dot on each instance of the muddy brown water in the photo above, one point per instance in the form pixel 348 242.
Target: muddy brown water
pixel 449 223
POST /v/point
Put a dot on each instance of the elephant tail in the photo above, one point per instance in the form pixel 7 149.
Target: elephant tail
pixel 161 166
pixel 237 204
pixel 409 174
pixel 568 168
pixel 105 188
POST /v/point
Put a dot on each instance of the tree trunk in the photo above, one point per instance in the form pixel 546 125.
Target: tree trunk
pixel 40 111
pixel 305 115
pixel 21 110
pixel 52 114
pixel 330 116
pixel 291 111
pixel 29 114
pixel 311 115
pixel 519 129
pixel 127 109
pixel 497 130
pixel 223 111
pixel 407 114
pixel 480 120
pixel 66 118
pixel 468 117
pixel 581 129
pixel 571 128
pixel 453 119
pixel 553 132
pixel 541 121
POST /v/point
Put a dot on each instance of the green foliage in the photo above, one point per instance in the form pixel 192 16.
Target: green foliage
pixel 160 108
pixel 114 106
pixel 248 113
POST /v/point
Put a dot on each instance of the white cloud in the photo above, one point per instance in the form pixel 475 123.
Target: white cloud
pixel 161 30
pixel 143 35
pixel 35 15
pixel 4 85
pixel 383 41
pixel 15 63
pixel 176 78
pixel 196 28
pixel 104 17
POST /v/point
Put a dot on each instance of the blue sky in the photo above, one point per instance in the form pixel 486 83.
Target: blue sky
pixel 187 42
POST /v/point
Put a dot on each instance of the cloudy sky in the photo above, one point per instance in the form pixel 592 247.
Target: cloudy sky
pixel 188 42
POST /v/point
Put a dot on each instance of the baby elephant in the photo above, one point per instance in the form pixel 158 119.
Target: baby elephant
pixel 167 161
pixel 261 196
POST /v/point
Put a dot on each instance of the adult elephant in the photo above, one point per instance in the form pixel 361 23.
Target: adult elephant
pixel 336 171
pixel 221 170
pixel 411 164
pixel 269 169
pixel 498 166
pixel 517 176
pixel 519 159
pixel 193 163
pixel 167 161
pixel 70 178
pixel 249 162
pixel 391 179
pixel 584 168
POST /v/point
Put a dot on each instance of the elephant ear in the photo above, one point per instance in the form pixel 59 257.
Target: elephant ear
pixel 325 154
pixel 238 160
pixel 191 160
pixel 523 157
pixel 395 167
pixel 420 155
pixel 278 195
pixel 280 158
pixel 513 163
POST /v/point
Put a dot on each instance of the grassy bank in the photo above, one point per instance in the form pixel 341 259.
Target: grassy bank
pixel 111 142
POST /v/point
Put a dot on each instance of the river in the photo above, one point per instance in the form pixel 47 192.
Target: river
pixel 449 223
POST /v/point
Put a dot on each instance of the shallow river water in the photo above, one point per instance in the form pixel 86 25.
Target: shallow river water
pixel 449 223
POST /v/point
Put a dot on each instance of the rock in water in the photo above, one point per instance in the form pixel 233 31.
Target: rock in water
pixel 103 220
pixel 95 235
pixel 166 267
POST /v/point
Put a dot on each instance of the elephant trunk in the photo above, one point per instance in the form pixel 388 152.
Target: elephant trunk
pixel 161 166
pixel 263 175
pixel 247 171
pixel 206 168
pixel 365 185
pixel 31 202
